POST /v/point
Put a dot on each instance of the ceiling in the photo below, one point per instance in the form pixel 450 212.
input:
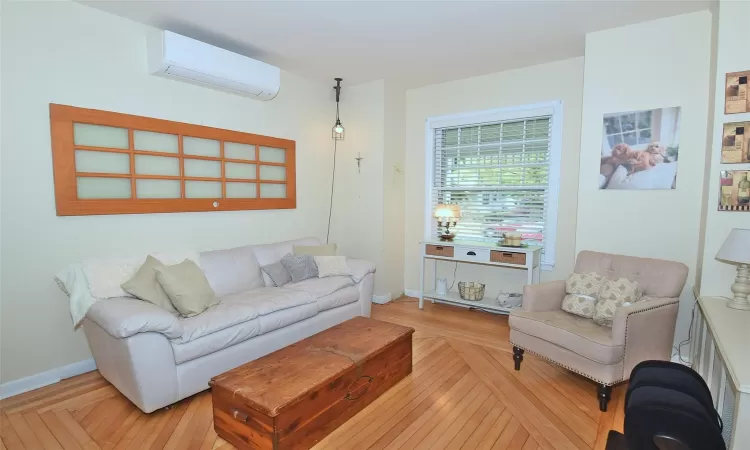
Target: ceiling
pixel 415 42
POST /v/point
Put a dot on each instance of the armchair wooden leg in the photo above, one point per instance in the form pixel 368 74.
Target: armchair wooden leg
pixel 517 357
pixel 604 393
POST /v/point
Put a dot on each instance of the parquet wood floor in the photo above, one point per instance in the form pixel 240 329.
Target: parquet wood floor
pixel 462 394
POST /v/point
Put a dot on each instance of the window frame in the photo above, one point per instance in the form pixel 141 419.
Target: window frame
pixel 653 122
pixel 552 108
pixel 63 117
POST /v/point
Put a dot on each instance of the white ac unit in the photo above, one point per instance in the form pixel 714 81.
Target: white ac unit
pixel 180 57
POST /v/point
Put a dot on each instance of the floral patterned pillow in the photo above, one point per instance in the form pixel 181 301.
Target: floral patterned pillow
pixel 582 290
pixel 613 294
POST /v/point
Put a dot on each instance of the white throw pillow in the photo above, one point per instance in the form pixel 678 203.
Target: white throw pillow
pixel 331 266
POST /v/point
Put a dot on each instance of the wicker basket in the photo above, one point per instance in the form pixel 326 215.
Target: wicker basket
pixel 471 290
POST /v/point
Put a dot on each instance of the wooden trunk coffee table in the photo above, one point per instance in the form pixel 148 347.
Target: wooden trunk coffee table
pixel 294 397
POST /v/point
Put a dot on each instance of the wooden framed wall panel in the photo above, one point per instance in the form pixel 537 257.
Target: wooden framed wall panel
pixel 62 125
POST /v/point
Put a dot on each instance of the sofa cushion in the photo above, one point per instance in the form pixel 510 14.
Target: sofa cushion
pixel 320 287
pixel 341 297
pixel 231 270
pixel 241 332
pixel 239 308
pixel 271 253
pixel 577 334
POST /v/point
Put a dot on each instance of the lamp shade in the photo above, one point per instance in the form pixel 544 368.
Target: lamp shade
pixel 736 247
pixel 443 211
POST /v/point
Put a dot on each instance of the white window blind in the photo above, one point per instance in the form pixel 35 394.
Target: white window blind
pixel 499 172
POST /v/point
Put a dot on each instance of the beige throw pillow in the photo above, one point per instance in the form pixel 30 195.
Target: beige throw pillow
pixel 331 266
pixel 612 296
pixel 582 290
pixel 187 287
pixel 314 250
pixel 145 286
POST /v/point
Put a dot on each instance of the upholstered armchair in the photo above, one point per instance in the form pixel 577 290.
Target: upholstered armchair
pixel 641 331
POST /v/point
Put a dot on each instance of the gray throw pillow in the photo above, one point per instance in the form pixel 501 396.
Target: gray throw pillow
pixel 300 267
pixel 277 273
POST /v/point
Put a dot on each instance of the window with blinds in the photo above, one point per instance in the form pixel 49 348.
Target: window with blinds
pixel 502 173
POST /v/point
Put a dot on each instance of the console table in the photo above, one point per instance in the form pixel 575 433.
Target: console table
pixel 719 354
pixel 485 253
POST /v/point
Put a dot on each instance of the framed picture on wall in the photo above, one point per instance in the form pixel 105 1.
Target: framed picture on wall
pixel 640 149
pixel 734 194
pixel 735 143
pixel 736 95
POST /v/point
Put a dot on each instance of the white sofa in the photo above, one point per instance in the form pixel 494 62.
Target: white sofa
pixel 155 358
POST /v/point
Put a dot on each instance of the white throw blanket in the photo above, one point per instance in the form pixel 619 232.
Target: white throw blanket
pixel 98 278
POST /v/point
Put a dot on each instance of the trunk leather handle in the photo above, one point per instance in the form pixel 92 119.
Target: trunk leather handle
pixel 351 395
pixel 239 415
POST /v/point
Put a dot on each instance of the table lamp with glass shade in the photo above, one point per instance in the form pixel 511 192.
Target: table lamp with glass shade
pixel 447 216
pixel 736 250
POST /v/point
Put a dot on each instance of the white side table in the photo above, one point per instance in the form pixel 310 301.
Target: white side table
pixel 489 254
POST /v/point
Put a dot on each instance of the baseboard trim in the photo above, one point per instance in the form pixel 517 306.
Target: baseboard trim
pixel 42 379
pixel 411 292
pixel 382 299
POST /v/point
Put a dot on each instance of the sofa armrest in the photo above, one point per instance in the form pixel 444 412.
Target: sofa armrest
pixel 543 297
pixel 359 268
pixel 646 330
pixel 123 317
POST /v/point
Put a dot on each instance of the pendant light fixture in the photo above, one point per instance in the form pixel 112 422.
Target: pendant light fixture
pixel 338 130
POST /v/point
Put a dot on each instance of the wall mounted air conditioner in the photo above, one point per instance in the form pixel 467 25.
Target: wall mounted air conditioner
pixel 180 57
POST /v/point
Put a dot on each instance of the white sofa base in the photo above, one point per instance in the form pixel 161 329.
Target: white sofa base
pixel 142 366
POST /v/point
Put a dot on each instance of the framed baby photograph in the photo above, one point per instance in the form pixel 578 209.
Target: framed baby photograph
pixel 640 149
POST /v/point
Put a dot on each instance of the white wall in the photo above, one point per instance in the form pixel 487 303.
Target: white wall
pixel 357 222
pixel 560 80
pixel 63 52
pixel 668 64
pixel 733 56
pixel 391 272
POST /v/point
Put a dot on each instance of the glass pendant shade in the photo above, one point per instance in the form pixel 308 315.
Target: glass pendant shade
pixel 338 131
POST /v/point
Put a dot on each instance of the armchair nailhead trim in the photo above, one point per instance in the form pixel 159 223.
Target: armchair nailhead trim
pixel 588 376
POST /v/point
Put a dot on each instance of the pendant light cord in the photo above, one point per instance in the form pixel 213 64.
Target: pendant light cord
pixel 333 181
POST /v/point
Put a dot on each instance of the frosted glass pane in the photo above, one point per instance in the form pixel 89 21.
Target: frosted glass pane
pixel 90 187
pixel 270 154
pixel 100 136
pixel 102 162
pixel 202 189
pixel 239 170
pixel 272 190
pixel 239 151
pixel 201 168
pixel 240 190
pixel 199 146
pixel 157 165
pixel 157 188
pixel 155 142
pixel 275 173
